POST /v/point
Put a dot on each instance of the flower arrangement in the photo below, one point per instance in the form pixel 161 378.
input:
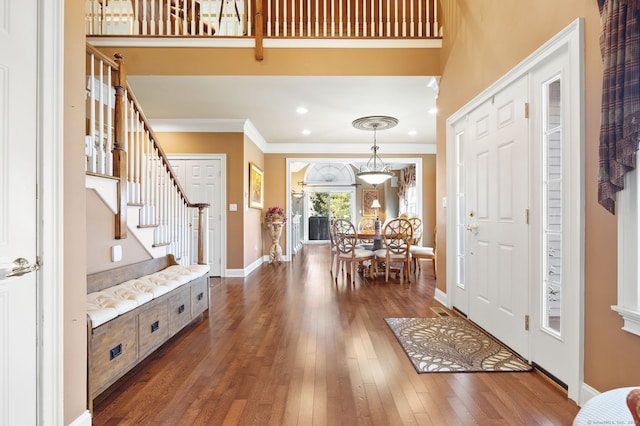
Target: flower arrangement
pixel 275 214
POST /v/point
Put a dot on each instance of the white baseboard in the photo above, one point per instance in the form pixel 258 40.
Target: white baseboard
pixel 441 297
pixel 83 420
pixel 586 393
pixel 234 273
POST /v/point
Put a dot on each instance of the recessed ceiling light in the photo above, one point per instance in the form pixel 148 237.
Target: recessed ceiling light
pixel 306 132
pixel 412 132
pixel 302 110
pixel 433 110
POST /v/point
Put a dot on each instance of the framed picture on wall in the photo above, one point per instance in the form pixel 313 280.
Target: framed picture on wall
pixel 368 195
pixel 256 187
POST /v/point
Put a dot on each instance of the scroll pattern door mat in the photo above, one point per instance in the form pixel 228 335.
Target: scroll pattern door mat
pixel 450 344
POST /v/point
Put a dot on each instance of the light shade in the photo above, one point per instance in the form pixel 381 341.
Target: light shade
pixel 375 204
pixel 375 171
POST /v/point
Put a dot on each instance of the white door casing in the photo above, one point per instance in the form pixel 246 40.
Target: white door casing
pixel 18 208
pixel 566 352
pixel 203 178
pixel 496 163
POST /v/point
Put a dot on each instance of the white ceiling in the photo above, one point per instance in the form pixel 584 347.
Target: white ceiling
pixel 270 103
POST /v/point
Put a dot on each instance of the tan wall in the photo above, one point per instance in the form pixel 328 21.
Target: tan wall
pixel 236 61
pixel 254 246
pixel 74 222
pixel 482 41
pixel 100 231
pixel 230 144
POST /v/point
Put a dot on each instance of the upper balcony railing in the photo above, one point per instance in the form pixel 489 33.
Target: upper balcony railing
pixel 382 19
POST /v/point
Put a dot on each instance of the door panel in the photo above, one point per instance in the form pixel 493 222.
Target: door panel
pixel 202 180
pixel 497 202
pixel 18 301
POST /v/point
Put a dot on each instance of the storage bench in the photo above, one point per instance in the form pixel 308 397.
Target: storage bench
pixel 134 309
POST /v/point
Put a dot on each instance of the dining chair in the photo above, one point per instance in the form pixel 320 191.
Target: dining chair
pixel 367 224
pixel 346 239
pixel 333 251
pixel 397 237
pixel 419 252
pixel 633 402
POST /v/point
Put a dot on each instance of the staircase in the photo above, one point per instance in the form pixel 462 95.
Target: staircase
pixel 129 170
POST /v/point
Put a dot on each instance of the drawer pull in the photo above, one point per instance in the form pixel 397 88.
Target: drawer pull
pixel 155 326
pixel 200 296
pixel 115 352
pixel 181 309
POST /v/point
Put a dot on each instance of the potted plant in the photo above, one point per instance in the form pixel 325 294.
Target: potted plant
pixel 275 215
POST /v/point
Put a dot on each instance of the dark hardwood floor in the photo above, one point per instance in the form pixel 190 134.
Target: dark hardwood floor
pixel 291 345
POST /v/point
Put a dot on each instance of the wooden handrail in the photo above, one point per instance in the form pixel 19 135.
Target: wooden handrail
pixel 154 139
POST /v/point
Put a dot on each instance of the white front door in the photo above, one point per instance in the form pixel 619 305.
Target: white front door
pixel 18 296
pixel 497 191
pixel 202 179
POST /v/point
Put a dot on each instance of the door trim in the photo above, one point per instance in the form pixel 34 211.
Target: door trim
pixel 50 168
pixel 571 38
pixel 290 160
pixel 223 199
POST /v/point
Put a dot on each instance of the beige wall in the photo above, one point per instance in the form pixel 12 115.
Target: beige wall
pixel 101 224
pixel 482 41
pixel 230 61
pixel 256 237
pixel 74 222
pixel 231 144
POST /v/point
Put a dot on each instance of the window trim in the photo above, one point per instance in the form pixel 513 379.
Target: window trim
pixel 628 255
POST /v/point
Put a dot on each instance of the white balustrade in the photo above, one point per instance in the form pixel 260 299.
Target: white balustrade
pixel 290 18
pixel 149 179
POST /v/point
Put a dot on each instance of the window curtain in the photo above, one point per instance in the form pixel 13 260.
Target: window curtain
pixel 620 115
pixel 406 182
pixel 407 175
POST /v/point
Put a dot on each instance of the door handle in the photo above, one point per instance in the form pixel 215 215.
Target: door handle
pixel 22 266
pixel 473 227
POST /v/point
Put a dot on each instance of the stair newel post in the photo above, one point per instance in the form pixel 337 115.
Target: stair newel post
pixel 119 150
pixel 201 207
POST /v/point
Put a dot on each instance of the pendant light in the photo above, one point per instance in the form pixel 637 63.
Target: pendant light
pixel 375 171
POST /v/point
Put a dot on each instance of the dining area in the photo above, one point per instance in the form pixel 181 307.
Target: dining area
pixel 376 250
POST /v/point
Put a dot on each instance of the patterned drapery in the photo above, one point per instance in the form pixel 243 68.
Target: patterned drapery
pixel 620 115
pixel 407 176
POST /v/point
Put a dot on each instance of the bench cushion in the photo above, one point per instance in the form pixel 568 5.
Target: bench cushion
pixel 107 304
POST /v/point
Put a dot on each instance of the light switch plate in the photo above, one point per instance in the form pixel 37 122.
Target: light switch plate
pixel 233 207
pixel 116 253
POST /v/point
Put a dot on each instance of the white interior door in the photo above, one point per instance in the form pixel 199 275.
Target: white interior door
pixel 202 179
pixel 496 163
pixel 18 297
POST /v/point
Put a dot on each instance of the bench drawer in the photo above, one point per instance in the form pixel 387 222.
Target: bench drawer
pixel 113 349
pixel 199 296
pixel 153 328
pixel 179 310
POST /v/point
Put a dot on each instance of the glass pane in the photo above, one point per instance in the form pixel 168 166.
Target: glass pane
pixel 554 158
pixel 551 287
pixel 340 205
pixel 319 204
pixel 554 206
pixel 553 102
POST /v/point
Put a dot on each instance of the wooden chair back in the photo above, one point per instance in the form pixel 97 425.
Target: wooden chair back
pixel 398 236
pixel 633 402
pixel 345 236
